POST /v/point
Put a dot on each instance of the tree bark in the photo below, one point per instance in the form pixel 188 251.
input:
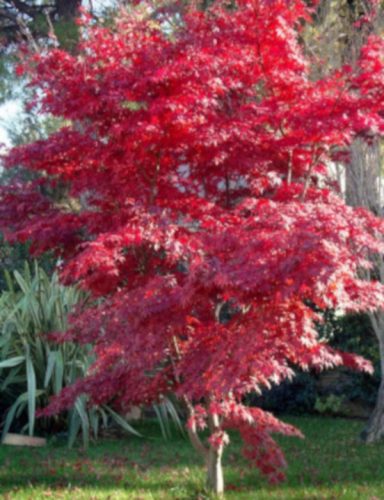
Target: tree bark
pixel 374 430
pixel 363 176
pixel 215 477
pixel 364 188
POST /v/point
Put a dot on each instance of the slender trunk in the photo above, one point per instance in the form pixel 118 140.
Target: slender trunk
pixel 215 477
pixel 212 455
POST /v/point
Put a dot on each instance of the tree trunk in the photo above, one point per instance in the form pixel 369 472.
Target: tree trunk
pixel 363 176
pixel 374 430
pixel 215 477
pixel 363 187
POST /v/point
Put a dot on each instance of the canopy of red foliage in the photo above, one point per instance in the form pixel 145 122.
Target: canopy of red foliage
pixel 201 212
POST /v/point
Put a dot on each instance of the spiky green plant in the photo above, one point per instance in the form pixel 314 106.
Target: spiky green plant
pixel 32 368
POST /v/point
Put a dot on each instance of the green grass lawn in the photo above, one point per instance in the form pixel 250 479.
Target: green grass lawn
pixel 329 464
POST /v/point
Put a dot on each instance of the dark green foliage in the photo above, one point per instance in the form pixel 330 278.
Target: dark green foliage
pixel 294 397
pixel 355 334
pixel 308 392
pixel 67 33
pixel 14 257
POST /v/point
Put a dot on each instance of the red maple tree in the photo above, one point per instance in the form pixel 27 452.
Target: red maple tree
pixel 199 208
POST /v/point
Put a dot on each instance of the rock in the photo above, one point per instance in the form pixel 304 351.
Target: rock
pixel 21 440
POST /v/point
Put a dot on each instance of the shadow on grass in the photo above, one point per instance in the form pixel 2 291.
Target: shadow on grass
pixel 329 463
pixel 186 484
pixel 125 464
pixel 102 483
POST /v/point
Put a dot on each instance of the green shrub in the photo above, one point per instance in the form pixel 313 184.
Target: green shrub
pixel 296 396
pixel 329 405
pixel 308 392
pixel 353 333
pixel 32 368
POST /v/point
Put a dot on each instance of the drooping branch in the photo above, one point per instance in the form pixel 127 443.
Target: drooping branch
pixel 192 430
pixel 191 427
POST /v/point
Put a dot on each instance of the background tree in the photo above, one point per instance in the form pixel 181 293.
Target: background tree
pixel 36 24
pixel 199 206
pixel 337 37
pixel 32 20
pixel 37 20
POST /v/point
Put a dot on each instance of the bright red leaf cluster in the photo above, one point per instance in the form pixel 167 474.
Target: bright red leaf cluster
pixel 199 206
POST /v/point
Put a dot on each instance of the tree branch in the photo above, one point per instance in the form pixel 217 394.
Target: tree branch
pixel 191 430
